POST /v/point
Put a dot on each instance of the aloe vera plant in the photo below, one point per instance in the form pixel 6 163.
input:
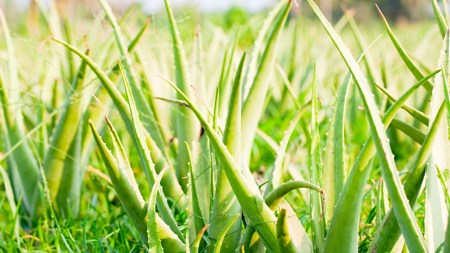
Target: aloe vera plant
pixel 177 134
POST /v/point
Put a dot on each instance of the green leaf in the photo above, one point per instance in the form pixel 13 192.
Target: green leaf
pixel 126 187
pixel 225 205
pixel 247 193
pixel 144 153
pixel 64 139
pixel 408 224
pixel 186 125
pixel 221 238
pixel 154 242
pixel 420 116
pixel 442 23
pixel 389 231
pixel 24 169
pixel 417 73
pixel 284 237
pixel 253 106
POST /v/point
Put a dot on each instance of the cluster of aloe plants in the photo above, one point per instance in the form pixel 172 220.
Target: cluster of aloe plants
pixel 185 149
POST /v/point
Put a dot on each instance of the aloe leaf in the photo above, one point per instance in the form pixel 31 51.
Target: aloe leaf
pixel 316 208
pixel 289 90
pixel 199 221
pixel 389 231
pixel 412 132
pixel 277 194
pixel 144 153
pixel 25 176
pixel 252 67
pixel 284 237
pixel 225 204
pixel 186 125
pixel 146 84
pixel 367 59
pixel 277 172
pixel 142 105
pixel 124 183
pixel 436 212
pixel 334 163
pixel 69 194
pixel 198 239
pixel 252 203
pixel 442 23
pixel 417 73
pixel 154 242
pixel 420 116
pixel 225 75
pixel 447 99
pixel 408 224
pixel 274 199
pixel 63 138
pixel 173 189
pixel 128 192
pixel 254 102
pixel 221 238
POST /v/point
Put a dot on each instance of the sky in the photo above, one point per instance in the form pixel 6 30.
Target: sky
pixel 206 5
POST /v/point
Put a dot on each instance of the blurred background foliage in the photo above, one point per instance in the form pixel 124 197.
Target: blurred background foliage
pixel 395 10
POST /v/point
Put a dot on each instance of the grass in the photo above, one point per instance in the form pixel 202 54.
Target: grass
pixel 186 132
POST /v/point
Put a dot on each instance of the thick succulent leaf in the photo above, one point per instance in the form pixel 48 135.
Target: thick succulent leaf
pixel 285 242
pixel 24 166
pixel 442 23
pixel 254 102
pixel 154 242
pixel 144 153
pixel 413 68
pixel 64 137
pixel 173 189
pixel 128 192
pixel 221 239
pixel 186 125
pixel 408 224
pixel 225 205
pixel 436 212
pixel 252 203
pixel 389 232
